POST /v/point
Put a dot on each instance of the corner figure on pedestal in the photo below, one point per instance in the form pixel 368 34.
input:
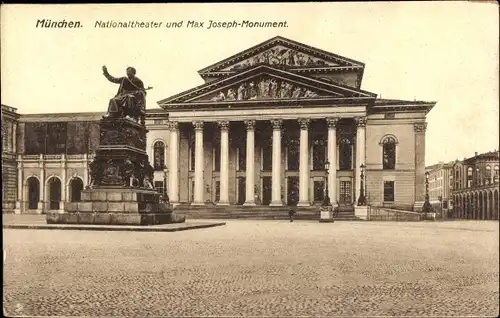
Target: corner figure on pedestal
pixel 130 100
pixel 95 173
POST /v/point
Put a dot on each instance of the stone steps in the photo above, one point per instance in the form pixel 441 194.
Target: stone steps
pixel 256 212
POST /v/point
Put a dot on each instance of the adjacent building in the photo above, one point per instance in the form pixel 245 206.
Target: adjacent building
pixel 440 178
pixel 277 124
pixel 9 165
pixel 476 187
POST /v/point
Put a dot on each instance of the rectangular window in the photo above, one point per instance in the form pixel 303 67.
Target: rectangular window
pixel 388 191
pixel 319 156
pixel 217 158
pixel 242 158
pixel 192 158
pixel 389 116
pixel 293 157
pixel 267 158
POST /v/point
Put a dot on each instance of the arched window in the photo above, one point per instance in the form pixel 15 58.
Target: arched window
pixel 495 173
pixel 159 155
pixel 389 153
pixel 478 177
pixel 469 177
pixel 345 154
pixel 488 175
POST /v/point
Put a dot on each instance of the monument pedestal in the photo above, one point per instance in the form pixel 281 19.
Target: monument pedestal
pixel 116 206
pixel 326 214
pixel 120 191
pixel 361 212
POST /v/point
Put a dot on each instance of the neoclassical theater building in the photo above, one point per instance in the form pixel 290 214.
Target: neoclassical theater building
pixel 275 125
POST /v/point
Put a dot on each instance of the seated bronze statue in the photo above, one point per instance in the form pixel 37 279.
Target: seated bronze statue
pixel 130 100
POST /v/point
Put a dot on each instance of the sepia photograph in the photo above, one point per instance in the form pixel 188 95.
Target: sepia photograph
pixel 333 159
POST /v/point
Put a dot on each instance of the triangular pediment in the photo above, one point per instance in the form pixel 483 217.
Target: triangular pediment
pixel 261 83
pixel 284 52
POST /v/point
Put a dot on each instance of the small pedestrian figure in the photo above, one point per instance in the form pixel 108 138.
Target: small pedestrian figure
pixel 291 213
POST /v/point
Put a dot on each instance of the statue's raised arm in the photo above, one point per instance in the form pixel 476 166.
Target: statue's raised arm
pixel 109 77
pixel 130 100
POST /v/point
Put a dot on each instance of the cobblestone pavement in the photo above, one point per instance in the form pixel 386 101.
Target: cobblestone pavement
pixel 257 268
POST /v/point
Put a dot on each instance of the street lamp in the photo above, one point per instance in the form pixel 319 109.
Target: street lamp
pixel 362 199
pixel 427 208
pixel 326 201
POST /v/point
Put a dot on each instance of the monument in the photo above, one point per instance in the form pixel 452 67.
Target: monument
pixel 120 190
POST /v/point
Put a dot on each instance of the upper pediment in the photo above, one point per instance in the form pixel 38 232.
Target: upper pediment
pixel 285 53
pixel 261 83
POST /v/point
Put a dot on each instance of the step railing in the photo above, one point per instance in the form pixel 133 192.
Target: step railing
pixel 376 213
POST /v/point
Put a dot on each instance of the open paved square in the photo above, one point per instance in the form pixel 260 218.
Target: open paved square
pixel 257 268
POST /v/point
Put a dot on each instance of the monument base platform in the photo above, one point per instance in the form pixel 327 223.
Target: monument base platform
pixel 110 218
pixel 117 206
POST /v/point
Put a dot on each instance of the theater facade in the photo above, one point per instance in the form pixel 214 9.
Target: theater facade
pixel 264 125
pixel 279 124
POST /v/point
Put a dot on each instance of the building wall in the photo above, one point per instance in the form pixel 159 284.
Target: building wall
pixel 9 164
pixel 401 127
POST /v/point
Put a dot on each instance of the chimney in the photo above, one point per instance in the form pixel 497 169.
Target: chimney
pixel 475 154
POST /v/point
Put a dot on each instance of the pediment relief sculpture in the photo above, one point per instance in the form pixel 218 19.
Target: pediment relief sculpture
pixel 263 88
pixel 281 55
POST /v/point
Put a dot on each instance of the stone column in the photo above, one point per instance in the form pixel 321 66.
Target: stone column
pixel 332 159
pixel 276 170
pixel 20 184
pixel 419 129
pixel 85 171
pixel 224 163
pixel 250 172
pixel 173 178
pixel 360 155
pixel 198 164
pixel 41 202
pixel 63 183
pixel 304 163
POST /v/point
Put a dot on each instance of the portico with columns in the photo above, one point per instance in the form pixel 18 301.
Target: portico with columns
pixel 280 166
pixel 262 127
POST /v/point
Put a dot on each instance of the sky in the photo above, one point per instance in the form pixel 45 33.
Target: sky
pixel 433 51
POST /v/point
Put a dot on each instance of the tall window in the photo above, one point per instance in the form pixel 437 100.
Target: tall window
pixel 388 191
pixel 267 157
pixel 319 154
pixel 478 177
pixel 293 152
pixel 496 174
pixel 159 155
pixel 216 156
pixel 192 157
pixel 242 158
pixel 389 153
pixel 469 177
pixel 488 174
pixel 345 154
pixel 4 139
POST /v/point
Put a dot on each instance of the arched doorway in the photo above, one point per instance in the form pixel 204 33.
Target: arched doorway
pixel 76 187
pixel 489 215
pixel 495 205
pixel 33 193
pixel 54 187
pixel 479 206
